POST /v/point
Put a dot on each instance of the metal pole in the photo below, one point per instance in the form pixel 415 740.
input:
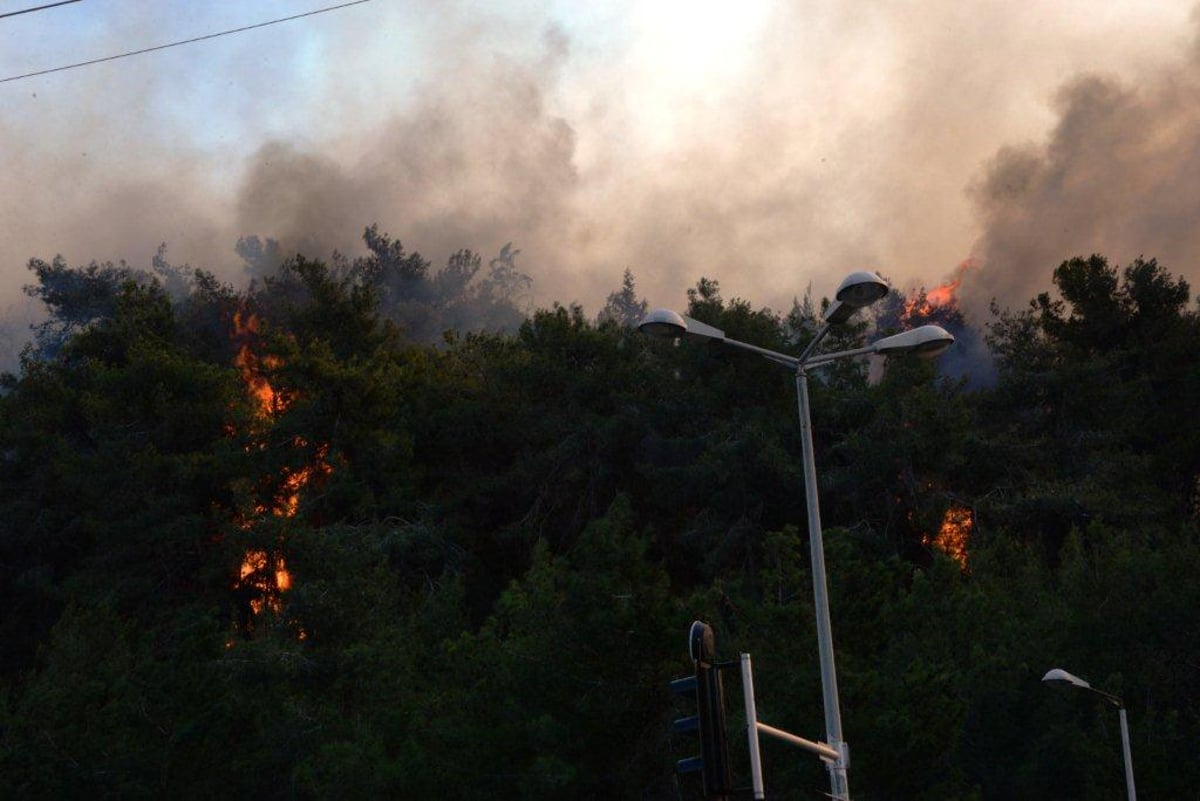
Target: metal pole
pixel 1128 755
pixel 752 727
pixel 838 781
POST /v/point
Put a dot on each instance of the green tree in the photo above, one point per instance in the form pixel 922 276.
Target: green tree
pixel 557 694
pixel 1091 385
pixel 624 307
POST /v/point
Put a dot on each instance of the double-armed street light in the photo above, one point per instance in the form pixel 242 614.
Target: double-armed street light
pixel 857 290
pixel 1058 677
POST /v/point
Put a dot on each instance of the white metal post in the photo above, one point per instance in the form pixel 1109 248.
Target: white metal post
pixel 1132 792
pixel 752 727
pixel 839 784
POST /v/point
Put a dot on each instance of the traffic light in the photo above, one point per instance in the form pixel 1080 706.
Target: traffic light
pixel 705 688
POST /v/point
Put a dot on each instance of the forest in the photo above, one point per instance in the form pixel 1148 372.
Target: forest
pixel 375 529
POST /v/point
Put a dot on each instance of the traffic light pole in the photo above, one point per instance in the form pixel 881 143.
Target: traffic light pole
pixel 705 688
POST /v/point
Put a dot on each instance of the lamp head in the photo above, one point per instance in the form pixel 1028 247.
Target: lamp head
pixel 673 325
pixel 927 341
pixel 862 288
pixel 663 323
pixel 1061 678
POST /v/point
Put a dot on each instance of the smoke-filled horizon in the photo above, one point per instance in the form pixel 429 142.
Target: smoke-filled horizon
pixel 772 146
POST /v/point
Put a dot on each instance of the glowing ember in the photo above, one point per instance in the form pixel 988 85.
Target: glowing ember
pixel 291 482
pixel 267 573
pixel 954 537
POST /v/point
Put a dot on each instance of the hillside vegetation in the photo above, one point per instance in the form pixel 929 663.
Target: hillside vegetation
pixel 366 530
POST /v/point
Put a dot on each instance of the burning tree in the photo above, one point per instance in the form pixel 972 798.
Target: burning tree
pixel 969 359
pixel 954 536
pixel 263 575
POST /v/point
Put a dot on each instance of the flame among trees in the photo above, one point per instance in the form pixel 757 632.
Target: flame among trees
pixel 954 536
pixel 923 304
pixel 263 575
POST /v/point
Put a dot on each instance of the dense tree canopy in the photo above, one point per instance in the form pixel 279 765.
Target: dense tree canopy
pixel 369 530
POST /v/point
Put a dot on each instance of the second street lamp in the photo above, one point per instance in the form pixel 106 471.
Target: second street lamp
pixel 1057 677
pixel 857 290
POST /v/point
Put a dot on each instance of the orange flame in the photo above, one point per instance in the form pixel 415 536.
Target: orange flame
pixel 923 302
pixel 941 295
pixel 251 366
pixel 954 537
pixel 287 502
pixel 262 572
pixel 267 573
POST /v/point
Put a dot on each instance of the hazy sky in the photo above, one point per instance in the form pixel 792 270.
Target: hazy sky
pixel 765 144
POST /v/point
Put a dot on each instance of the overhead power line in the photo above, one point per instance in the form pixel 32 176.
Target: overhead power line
pixel 38 8
pixel 183 42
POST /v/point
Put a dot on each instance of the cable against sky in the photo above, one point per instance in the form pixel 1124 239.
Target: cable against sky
pixel 37 8
pixel 176 44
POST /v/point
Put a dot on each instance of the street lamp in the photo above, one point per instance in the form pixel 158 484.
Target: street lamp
pixel 857 290
pixel 1061 678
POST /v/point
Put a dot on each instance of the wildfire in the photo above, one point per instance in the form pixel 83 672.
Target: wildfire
pixel 924 303
pixel 287 501
pixel 263 575
pixel 954 536
pixel 267 573
pixel 251 366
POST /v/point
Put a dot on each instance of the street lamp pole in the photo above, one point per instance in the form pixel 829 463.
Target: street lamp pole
pixel 1061 678
pixel 838 781
pixel 1127 753
pixel 859 289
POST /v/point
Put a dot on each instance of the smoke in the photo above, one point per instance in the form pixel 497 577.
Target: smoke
pixel 474 166
pixel 769 145
pixel 773 174
pixel 1119 175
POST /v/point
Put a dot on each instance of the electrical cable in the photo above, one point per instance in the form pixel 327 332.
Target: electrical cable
pixel 38 8
pixel 183 42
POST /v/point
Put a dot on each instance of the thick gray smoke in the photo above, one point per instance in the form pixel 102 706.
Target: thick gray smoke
pixel 1119 175
pixel 476 160
pixel 771 145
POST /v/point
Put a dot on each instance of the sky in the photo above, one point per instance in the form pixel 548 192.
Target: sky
pixel 773 146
